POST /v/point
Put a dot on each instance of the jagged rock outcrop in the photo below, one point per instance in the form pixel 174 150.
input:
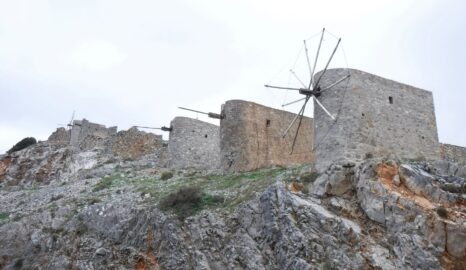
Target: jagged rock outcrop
pixel 63 208
pixel 134 144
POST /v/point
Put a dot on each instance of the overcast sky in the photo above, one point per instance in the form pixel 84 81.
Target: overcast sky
pixel 130 63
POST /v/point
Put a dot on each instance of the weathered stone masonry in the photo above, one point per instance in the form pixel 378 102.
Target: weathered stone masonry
pixel 87 135
pixel 251 137
pixel 376 117
pixel 453 153
pixel 128 144
pixel 193 144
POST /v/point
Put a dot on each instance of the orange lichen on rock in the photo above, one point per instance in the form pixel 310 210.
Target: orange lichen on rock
pixel 386 173
pixel 148 261
pixel 296 187
pixel 4 164
pixel 451 263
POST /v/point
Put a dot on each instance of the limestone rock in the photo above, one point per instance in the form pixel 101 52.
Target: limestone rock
pixel 396 180
pixel 88 213
pixel 456 239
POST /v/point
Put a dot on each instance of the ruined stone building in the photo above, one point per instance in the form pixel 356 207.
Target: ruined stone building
pixel 130 144
pixel 87 135
pixel 193 144
pixel 377 117
pixel 453 153
pixel 251 137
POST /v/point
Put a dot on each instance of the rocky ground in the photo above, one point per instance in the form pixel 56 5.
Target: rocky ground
pixel 61 208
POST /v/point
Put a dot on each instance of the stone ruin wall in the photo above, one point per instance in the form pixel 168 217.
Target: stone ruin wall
pixel 87 135
pixel 193 144
pixel 251 137
pixel 376 117
pixel 61 136
pixel 453 153
pixel 127 144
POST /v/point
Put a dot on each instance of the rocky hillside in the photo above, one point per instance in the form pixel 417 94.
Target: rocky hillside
pixel 65 208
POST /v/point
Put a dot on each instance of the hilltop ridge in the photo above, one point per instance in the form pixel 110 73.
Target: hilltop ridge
pixel 63 206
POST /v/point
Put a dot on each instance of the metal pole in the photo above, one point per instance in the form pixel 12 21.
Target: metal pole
pixel 192 110
pixel 317 56
pixel 308 62
pixel 279 87
pixel 296 76
pixel 293 102
pixel 296 117
pixel 323 108
pixel 335 83
pixel 299 124
pixel 328 63
pixel 147 127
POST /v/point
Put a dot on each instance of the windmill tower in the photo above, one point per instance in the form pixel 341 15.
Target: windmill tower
pixel 313 89
pixel 358 115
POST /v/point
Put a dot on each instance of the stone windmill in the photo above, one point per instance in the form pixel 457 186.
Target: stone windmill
pixel 70 123
pixel 313 88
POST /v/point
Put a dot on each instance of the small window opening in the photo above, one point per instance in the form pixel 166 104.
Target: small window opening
pixel 390 99
pixel 267 123
pixel 422 137
pixel 363 114
pixel 205 136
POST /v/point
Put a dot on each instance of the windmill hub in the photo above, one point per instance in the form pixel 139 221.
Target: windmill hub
pixel 308 92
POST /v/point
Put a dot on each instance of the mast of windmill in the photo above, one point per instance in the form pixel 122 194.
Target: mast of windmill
pixel 163 128
pixel 210 114
pixel 70 123
pixel 312 90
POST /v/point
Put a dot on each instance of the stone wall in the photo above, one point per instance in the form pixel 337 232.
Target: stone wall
pixel 376 117
pixel 127 144
pixel 60 136
pixel 87 135
pixel 251 137
pixel 453 153
pixel 193 144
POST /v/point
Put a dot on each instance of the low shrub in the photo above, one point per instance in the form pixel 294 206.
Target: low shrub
pixel 18 264
pixel 410 218
pixel 26 142
pixel 188 200
pixel 442 212
pixel 166 175
pixel 184 202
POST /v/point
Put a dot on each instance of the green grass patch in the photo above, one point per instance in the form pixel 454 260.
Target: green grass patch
pixel 235 188
pixel 104 183
pixel 4 216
